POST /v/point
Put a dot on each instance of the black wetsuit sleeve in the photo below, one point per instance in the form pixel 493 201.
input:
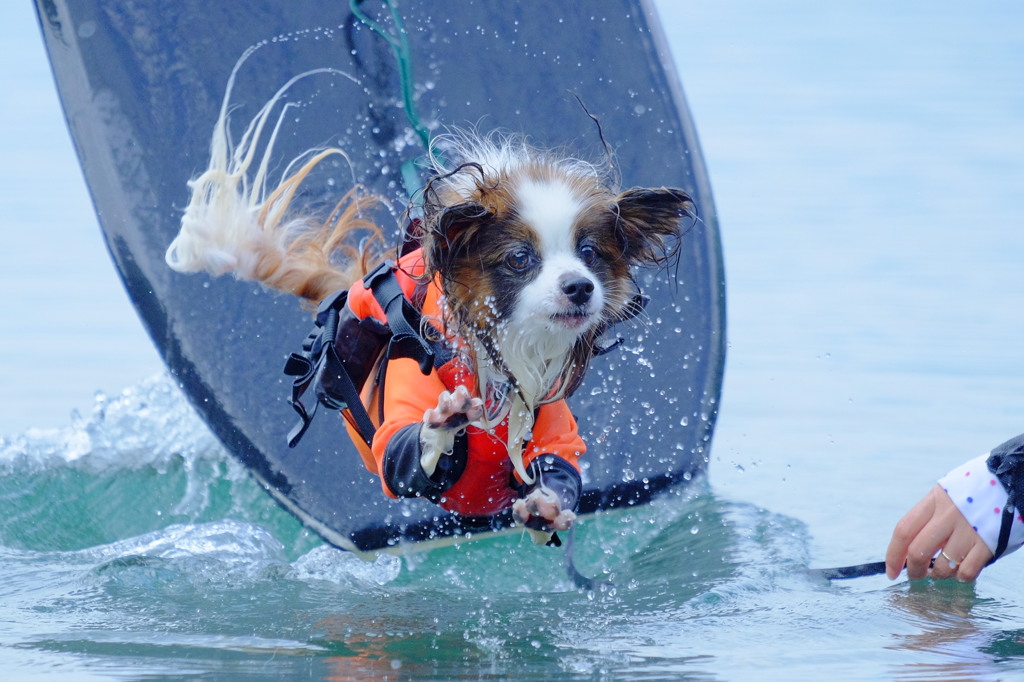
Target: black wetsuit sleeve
pixel 403 473
pixel 557 475
pixel 1007 463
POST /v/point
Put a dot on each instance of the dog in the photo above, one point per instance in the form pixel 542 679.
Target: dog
pixel 526 259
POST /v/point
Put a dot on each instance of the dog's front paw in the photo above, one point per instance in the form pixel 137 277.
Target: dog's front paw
pixel 455 409
pixel 544 509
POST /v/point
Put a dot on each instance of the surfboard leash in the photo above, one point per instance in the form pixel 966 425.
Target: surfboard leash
pixel 400 47
pixel 858 571
pixel 848 572
pixel 581 581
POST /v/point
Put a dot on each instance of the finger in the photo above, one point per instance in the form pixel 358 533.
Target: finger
pixel 919 564
pixel 906 530
pixel 945 565
pixel 962 537
pixel 950 559
pixel 925 546
pixel 973 563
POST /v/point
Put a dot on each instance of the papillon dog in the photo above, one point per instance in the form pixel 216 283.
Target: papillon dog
pixel 532 253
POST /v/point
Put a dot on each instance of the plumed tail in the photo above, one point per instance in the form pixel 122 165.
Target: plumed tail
pixel 235 223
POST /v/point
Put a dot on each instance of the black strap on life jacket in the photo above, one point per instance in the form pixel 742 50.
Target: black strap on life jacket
pixel 336 380
pixel 318 366
pixel 403 319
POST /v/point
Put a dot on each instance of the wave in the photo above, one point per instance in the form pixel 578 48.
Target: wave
pixel 142 485
pixel 139 462
pixel 132 538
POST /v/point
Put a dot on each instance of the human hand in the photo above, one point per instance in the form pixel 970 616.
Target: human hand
pixel 935 524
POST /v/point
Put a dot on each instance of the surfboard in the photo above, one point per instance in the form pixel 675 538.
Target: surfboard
pixel 141 83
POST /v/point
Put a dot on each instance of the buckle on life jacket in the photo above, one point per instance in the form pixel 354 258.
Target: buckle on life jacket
pixel 339 353
pixel 318 366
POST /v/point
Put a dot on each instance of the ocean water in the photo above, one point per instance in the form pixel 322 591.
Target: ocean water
pixel 868 168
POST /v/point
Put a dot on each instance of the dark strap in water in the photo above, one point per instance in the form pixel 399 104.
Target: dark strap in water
pixel 581 581
pixel 858 571
pixel 847 572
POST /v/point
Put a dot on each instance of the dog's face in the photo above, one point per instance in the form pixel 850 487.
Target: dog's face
pixel 544 253
pixel 559 273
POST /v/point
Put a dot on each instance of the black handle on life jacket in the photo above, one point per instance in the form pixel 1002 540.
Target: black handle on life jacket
pixel 318 366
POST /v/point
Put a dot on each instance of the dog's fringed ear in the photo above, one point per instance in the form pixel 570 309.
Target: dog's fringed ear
pixel 456 219
pixel 650 222
pixel 453 230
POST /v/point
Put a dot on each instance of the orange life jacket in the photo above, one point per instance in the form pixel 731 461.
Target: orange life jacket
pixel 487 483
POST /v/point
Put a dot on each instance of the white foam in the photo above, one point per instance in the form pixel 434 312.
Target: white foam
pixel 334 565
pixel 150 424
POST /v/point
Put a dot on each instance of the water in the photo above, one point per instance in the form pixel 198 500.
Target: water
pixel 867 165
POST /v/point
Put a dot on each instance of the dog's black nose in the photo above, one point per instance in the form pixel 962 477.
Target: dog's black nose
pixel 578 290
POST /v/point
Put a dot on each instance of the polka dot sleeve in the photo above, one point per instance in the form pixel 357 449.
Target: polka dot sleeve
pixel 980 497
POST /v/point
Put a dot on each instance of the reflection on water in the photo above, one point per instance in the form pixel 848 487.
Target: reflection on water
pixel 947 619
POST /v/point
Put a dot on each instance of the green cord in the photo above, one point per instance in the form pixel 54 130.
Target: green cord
pixel 403 57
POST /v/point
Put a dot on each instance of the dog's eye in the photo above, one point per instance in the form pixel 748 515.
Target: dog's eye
pixel 518 259
pixel 588 254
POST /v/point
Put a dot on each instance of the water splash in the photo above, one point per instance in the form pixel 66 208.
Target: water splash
pixel 333 565
pixel 140 462
pixel 146 425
